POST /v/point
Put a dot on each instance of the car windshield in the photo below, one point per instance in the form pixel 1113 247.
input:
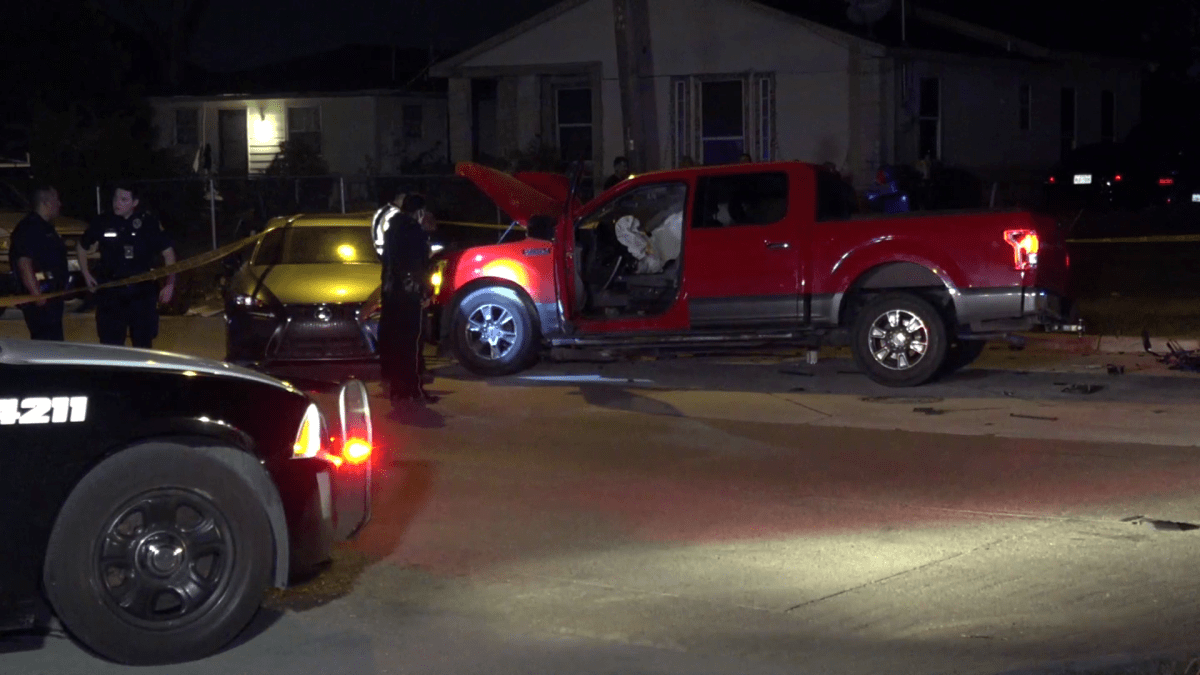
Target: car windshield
pixel 316 245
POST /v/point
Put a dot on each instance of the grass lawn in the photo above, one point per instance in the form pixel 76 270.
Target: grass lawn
pixel 1123 289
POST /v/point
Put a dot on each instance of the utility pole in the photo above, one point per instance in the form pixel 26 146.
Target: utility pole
pixel 635 70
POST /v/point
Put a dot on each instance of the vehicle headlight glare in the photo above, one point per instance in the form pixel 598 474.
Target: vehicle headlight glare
pixel 308 438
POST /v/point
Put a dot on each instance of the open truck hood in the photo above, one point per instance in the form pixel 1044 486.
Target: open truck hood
pixel 521 200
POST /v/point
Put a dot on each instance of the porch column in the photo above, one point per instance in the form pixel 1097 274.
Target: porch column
pixel 458 103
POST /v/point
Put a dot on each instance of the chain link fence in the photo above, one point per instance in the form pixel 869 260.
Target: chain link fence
pixel 205 213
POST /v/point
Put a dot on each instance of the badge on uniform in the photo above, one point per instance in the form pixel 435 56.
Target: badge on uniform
pixel 137 222
pixel 128 252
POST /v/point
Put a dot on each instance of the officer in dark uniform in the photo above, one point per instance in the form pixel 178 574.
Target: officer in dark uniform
pixel 405 288
pixel 129 240
pixel 39 260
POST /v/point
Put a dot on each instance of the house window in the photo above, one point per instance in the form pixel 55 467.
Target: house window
pixel 573 117
pixel 1067 120
pixel 929 120
pixel 414 121
pixel 187 126
pixel 1107 116
pixel 717 119
pixel 722 124
pixel 304 127
pixel 1025 101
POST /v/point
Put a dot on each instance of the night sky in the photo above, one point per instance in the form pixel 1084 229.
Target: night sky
pixel 235 34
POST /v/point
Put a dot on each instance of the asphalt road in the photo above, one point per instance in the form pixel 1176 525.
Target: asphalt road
pixel 750 515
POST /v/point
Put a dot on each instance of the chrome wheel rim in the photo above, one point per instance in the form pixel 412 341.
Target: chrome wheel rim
pixel 164 558
pixel 898 339
pixel 492 332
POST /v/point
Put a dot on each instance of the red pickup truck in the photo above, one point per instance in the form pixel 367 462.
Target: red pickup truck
pixel 747 255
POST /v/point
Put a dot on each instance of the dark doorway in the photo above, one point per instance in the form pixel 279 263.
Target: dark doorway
pixel 231 127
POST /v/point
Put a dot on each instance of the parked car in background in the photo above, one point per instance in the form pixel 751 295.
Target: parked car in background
pixel 151 499
pixel 1122 176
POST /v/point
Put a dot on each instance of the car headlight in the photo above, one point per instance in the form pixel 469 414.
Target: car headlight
pixel 308 438
pixel 245 300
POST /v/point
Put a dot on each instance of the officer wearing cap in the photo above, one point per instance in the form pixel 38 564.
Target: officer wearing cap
pixel 129 240
pixel 39 260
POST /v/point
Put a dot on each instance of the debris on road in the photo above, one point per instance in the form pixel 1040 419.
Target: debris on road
pixel 1033 417
pixel 1082 388
pixel 1114 369
pixel 1176 358
pixel 1168 525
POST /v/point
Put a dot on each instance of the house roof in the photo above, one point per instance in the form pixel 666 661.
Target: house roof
pixel 920 28
pixel 348 69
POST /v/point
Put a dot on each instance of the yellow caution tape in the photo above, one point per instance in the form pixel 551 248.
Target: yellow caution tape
pixel 157 273
pixel 192 263
pixel 1156 239
pixel 490 226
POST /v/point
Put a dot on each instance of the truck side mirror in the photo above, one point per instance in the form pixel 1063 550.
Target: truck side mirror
pixel 541 227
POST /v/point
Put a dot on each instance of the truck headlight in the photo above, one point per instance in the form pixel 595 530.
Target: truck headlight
pixel 435 279
pixel 308 438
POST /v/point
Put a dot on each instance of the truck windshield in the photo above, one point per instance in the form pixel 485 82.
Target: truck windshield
pixel 316 245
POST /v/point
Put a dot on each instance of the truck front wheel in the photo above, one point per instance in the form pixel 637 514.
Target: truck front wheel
pixel 493 333
pixel 899 340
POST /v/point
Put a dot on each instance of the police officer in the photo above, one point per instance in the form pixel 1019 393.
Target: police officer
pixel 405 284
pixel 129 240
pixel 39 260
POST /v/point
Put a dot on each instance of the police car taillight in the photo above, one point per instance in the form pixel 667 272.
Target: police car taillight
pixel 308 438
pixel 356 451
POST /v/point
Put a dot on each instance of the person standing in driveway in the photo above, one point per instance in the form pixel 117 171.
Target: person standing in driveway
pixel 39 260
pixel 129 240
pixel 404 288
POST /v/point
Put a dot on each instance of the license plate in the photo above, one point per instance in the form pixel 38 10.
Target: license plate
pixel 1083 179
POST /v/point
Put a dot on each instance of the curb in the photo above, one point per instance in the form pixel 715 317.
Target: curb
pixel 1109 344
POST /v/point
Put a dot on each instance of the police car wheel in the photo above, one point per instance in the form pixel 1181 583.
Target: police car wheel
pixel 161 554
pixel 493 333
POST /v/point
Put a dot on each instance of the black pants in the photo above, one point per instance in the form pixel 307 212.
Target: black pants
pixel 45 322
pixel 131 312
pixel 400 322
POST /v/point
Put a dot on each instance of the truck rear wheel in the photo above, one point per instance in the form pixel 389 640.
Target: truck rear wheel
pixel 161 554
pixel 493 333
pixel 899 340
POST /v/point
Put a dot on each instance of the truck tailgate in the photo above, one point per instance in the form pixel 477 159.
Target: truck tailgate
pixel 1052 271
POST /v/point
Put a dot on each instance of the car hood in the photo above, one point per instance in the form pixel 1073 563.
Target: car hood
pixel 518 199
pixel 44 353
pixel 64 225
pixel 334 283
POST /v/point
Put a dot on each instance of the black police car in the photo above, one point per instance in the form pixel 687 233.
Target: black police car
pixel 150 499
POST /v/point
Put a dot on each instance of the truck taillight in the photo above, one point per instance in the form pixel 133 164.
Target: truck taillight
pixel 1025 248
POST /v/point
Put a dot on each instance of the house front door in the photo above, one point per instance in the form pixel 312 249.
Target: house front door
pixel 231 127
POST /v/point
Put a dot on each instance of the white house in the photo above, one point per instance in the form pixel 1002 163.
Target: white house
pixel 733 76
pixel 376 131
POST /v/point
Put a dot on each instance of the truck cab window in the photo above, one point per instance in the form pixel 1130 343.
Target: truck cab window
pixel 742 199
